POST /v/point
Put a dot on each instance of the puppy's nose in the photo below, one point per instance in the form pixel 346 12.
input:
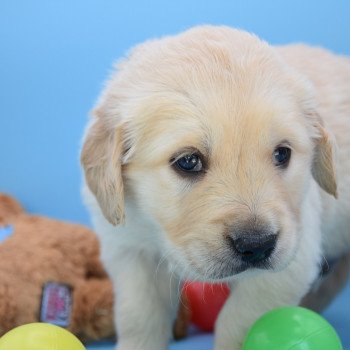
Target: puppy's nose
pixel 254 248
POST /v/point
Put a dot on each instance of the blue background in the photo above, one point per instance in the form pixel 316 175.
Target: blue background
pixel 55 56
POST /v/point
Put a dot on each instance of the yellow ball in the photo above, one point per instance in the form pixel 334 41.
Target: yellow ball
pixel 40 336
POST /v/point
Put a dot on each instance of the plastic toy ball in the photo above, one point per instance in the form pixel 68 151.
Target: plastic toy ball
pixel 205 302
pixel 40 336
pixel 292 328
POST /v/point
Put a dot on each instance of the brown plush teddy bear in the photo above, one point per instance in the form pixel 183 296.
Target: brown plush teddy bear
pixel 50 271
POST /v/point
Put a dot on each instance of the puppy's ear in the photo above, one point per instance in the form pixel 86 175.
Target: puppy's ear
pixel 323 166
pixel 101 158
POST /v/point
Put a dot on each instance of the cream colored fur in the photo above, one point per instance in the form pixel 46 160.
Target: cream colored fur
pixel 234 98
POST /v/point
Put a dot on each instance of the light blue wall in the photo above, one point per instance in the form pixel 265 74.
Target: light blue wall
pixel 55 55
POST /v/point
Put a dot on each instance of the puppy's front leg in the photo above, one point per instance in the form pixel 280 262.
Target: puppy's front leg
pixel 252 297
pixel 146 302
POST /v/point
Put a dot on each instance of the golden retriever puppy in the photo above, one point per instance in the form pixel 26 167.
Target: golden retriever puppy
pixel 211 156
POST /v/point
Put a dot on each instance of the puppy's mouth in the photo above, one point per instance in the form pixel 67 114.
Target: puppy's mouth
pixel 223 266
pixel 236 256
pixel 254 267
pixel 234 269
pixel 257 254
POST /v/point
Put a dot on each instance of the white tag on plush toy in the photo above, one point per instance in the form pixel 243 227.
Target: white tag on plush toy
pixel 56 304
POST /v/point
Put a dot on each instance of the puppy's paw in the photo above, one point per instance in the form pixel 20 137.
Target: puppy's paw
pixel 228 345
pixel 139 346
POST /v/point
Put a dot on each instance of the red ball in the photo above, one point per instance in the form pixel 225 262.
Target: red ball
pixel 205 302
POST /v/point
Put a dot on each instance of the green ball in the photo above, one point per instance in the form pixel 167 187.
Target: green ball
pixel 40 336
pixel 292 328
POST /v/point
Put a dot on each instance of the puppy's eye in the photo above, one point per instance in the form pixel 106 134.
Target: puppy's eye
pixel 281 156
pixel 190 163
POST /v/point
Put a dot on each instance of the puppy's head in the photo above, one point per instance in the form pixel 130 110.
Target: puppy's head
pixel 215 138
